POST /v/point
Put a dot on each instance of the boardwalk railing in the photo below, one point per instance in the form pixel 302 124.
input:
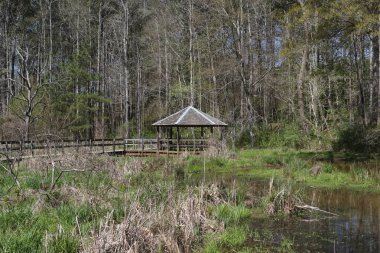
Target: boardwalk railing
pixel 131 146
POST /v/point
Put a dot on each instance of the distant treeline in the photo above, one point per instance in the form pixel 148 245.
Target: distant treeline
pixel 109 68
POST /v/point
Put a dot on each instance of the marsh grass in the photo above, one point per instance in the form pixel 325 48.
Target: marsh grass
pixel 194 164
pixel 152 204
pixel 232 215
pixel 39 218
pixel 285 164
pixel 131 206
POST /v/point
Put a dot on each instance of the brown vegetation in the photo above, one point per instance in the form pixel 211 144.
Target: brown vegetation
pixel 176 225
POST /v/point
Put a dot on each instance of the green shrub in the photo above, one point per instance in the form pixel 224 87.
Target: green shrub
pixel 328 168
pixel 288 136
pixel 244 139
pixel 293 137
pixel 357 138
pixel 350 138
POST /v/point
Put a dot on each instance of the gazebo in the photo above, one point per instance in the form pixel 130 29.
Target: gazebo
pixel 185 118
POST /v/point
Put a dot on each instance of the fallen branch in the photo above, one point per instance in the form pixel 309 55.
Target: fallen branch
pixel 314 208
pixel 316 220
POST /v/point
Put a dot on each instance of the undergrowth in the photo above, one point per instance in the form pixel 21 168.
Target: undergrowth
pixel 160 204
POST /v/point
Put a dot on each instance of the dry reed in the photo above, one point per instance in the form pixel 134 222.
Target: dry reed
pixel 174 225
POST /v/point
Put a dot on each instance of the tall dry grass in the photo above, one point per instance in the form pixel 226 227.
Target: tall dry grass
pixel 176 224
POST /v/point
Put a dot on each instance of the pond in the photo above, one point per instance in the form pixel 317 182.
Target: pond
pixel 355 229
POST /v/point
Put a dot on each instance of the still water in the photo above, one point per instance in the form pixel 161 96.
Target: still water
pixel 355 229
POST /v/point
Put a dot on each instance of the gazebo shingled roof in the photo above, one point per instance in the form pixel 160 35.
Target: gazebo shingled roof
pixel 190 117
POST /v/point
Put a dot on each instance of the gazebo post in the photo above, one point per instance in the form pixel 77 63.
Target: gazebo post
pixel 158 139
pixel 202 137
pixel 171 136
pixel 168 130
pixel 192 131
pixel 178 140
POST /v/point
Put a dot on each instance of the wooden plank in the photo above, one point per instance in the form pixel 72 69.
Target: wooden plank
pixel 142 146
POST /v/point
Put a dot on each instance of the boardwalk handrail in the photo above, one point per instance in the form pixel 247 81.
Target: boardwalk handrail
pixel 59 147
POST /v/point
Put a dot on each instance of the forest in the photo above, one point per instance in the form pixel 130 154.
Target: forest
pixel 82 168
pixel 110 68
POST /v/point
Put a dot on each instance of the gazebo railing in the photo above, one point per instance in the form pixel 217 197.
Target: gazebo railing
pixel 183 144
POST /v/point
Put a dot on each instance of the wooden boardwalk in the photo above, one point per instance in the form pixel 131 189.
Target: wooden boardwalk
pixel 130 147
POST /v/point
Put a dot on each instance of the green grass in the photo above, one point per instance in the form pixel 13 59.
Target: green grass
pixel 195 164
pixel 233 237
pixel 25 231
pixel 35 219
pixel 285 165
pixel 230 240
pixel 232 215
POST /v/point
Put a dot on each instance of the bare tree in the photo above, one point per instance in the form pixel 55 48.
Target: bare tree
pixel 31 91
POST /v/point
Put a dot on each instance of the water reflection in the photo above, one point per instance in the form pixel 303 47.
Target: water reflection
pixel 356 229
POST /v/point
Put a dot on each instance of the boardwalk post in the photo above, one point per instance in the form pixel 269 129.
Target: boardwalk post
pixel 31 148
pixel 113 145
pixel 63 146
pixel 77 146
pixel 55 147
pixel 124 146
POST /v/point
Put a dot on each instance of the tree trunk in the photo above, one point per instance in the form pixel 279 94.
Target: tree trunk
pixel 191 54
pixel 375 117
pixel 358 72
pixel 159 69
pixel 302 74
pixel 300 84
pixel 125 28
pixel 215 107
pixel 167 89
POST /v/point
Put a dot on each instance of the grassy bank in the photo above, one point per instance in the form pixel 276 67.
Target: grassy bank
pixel 332 170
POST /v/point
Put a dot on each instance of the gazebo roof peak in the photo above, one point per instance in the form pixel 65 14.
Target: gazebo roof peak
pixel 189 116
